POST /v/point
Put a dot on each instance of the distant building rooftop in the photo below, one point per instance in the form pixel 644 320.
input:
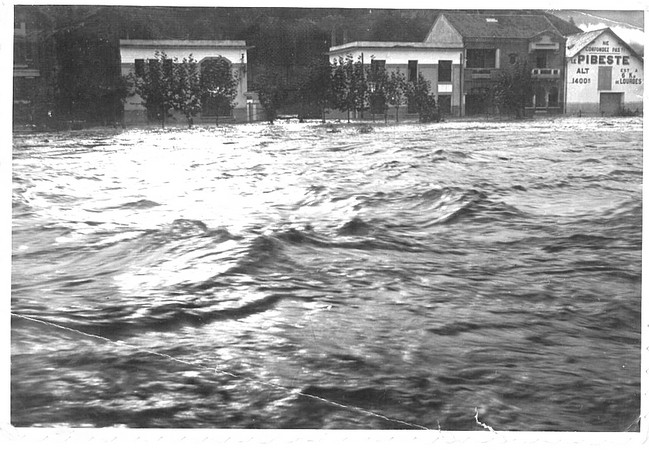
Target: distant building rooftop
pixel 576 42
pixel 384 44
pixel 506 26
pixel 179 43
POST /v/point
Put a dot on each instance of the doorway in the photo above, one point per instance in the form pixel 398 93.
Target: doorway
pixel 610 103
pixel 444 104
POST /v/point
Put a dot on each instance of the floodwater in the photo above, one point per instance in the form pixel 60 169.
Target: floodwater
pixel 288 276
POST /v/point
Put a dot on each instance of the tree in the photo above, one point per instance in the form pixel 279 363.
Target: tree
pixel 349 85
pixel 187 88
pixel 317 86
pixel 378 81
pixel 340 85
pixel 419 93
pixel 272 91
pixel 80 53
pixel 397 88
pixel 514 89
pixel 219 85
pixel 154 84
pixel 359 87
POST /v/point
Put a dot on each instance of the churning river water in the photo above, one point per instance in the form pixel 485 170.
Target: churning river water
pixel 287 276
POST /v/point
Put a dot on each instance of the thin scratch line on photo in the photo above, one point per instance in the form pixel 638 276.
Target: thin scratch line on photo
pixel 224 372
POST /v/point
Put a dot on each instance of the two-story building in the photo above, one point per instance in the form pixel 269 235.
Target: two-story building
pixel 492 43
pixel 603 74
pixel 438 64
pixel 464 54
pixel 134 52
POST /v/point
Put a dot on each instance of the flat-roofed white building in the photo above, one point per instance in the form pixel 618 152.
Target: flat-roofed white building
pixel 136 51
pixel 604 76
pixel 441 65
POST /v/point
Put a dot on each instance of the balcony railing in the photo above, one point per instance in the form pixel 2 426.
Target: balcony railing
pixel 480 74
pixel 546 73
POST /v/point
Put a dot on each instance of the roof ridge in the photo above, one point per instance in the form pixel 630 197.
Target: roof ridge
pixel 472 24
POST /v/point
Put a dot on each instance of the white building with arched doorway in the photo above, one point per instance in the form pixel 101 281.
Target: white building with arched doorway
pixel 134 52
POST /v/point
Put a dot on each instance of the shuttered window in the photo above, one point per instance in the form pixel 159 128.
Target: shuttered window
pixel 412 71
pixel 605 77
pixel 444 71
pixel 139 67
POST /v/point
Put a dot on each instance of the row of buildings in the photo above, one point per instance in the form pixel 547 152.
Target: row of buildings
pixel 590 73
pixel 463 55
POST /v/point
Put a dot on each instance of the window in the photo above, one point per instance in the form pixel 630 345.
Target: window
pixel 376 68
pixel 541 60
pixel 412 71
pixel 541 101
pixel 444 72
pixel 20 89
pixel 139 67
pixel 378 64
pixel 553 97
pixel 481 58
pixel 604 78
pixel 23 51
pixel 19 52
pixel 29 51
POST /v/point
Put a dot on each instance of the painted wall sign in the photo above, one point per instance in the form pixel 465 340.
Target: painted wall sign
pixel 605 66
pixel 629 76
pixel 602 59
pixel 602 53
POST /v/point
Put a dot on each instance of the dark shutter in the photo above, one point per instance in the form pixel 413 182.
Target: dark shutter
pixel 605 77
pixel 444 71
pixel 139 68
pixel 412 71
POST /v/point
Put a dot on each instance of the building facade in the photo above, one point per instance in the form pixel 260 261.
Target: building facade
pixel 492 44
pixel 33 67
pixel 604 76
pixel 440 65
pixel 464 55
pixel 135 52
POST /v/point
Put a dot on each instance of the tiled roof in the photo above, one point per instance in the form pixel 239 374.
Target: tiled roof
pixel 576 42
pixel 386 44
pixel 500 26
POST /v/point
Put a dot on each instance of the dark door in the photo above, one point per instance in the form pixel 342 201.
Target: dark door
pixel 610 103
pixel 444 104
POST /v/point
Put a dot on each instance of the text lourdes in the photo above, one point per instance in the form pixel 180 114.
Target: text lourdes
pixel 603 59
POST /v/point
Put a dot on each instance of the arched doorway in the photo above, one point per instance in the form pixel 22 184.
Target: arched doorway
pixel 217 73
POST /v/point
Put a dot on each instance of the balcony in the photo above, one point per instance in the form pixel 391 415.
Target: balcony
pixel 546 73
pixel 479 74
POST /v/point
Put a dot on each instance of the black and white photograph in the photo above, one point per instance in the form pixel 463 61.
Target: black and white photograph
pixel 422 219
